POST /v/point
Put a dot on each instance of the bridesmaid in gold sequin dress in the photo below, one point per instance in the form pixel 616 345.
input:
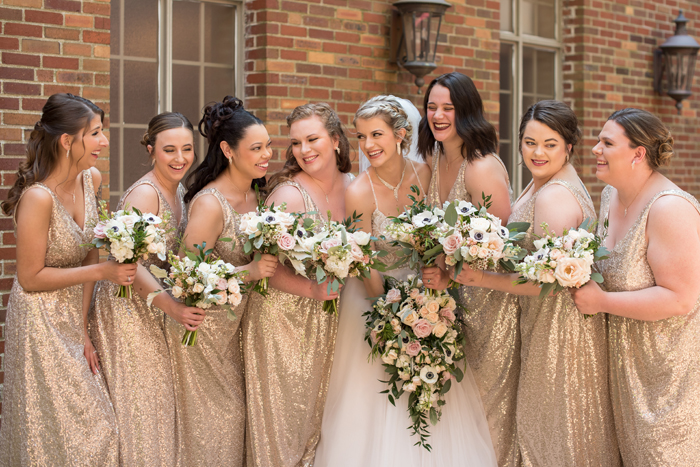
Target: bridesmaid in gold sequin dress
pixel 55 411
pixel 288 340
pixel 652 294
pixel 564 412
pixel 209 385
pixel 128 334
pixel 459 171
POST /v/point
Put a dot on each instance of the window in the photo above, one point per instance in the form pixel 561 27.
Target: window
pixel 167 55
pixel 530 71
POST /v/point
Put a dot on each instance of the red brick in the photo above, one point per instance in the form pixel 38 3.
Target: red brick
pixel 21 88
pixel 9 103
pixel 20 59
pixel 12 14
pixel 24 30
pixel 13 149
pixel 295 6
pixel 102 23
pixel 43 47
pixel 73 77
pixel 83 50
pixel 20 119
pixel 54 88
pixel 24 3
pixel 45 17
pixel 65 5
pixel 286 30
pixel 61 62
pixel 9 43
pixel 62 33
pixel 101 9
pixel 26 74
pixel 96 37
pixel 79 21
pixel 45 76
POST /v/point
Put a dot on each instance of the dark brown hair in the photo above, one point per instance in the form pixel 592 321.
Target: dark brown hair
pixel 645 129
pixel 62 114
pixel 332 124
pixel 163 122
pixel 556 115
pixel 479 137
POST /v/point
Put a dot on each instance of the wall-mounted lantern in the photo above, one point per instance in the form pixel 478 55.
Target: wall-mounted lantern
pixel 415 34
pixel 677 58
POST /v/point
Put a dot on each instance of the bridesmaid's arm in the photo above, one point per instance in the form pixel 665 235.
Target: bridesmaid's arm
pixel 486 175
pixel 673 254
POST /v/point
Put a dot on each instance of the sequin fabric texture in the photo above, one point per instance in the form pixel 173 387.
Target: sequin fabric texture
pixel 288 344
pixel 564 412
pixel 492 344
pixel 55 411
pixel 209 387
pixel 129 339
pixel 654 365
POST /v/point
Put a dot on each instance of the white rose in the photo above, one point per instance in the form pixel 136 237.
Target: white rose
pixel 177 291
pixel 152 248
pixel 573 235
pixel 389 357
pixel 130 220
pixel 212 279
pixel 234 299
pixel 285 220
pixel 540 243
pixel 361 237
pixel 480 223
pixel 198 288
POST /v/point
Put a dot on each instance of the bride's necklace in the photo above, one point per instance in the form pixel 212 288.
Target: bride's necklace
pixel 447 162
pixel 72 194
pixel 635 196
pixel 324 191
pixel 395 189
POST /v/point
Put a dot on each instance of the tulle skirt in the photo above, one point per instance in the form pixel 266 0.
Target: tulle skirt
pixel 361 427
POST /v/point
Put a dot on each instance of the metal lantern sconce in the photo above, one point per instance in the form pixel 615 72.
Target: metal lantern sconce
pixel 415 35
pixel 677 58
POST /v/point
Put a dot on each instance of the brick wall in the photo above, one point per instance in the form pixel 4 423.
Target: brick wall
pixel 338 51
pixel 47 46
pixel 608 61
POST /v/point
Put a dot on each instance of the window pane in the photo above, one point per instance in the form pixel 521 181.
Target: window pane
pixel 186 30
pixel 114 91
pixel 114 157
pixel 507 15
pixel 220 30
pixel 186 91
pixel 538 17
pixel 115 22
pixel 506 67
pixel 545 74
pixel 136 161
pixel 141 28
pixel 140 91
pixel 529 69
pixel 505 153
pixel 505 117
pixel 218 82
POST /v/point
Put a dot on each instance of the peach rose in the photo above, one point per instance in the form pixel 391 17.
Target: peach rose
pixel 432 317
pixel 422 328
pixel 410 319
pixel 440 329
pixel 433 306
pixel 452 243
pixel 413 348
pixel 393 296
pixel 572 272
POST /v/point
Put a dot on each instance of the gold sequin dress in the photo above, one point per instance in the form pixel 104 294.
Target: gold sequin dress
pixel 492 344
pixel 129 339
pixel 209 384
pixel 55 411
pixel 288 344
pixel 654 365
pixel 564 412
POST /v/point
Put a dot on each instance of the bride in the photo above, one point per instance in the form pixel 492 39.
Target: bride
pixel 360 426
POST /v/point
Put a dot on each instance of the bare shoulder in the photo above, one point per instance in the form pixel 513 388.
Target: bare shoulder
pixel 144 198
pixel 39 204
pixel 205 205
pixel 668 209
pixel 554 194
pixel 96 179
pixel 359 187
pixel 287 194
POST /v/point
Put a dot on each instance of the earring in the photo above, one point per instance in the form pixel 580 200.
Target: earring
pixel 337 150
pixel 68 153
pixel 153 162
pixel 398 147
pixel 230 160
pixel 633 162
pixel 567 157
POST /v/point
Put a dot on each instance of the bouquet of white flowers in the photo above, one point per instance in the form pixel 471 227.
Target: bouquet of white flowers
pixel 273 231
pixel 418 337
pixel 565 261
pixel 128 235
pixel 418 230
pixel 478 239
pixel 201 281
pixel 337 252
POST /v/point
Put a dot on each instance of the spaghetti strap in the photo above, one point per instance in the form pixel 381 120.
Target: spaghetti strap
pixel 376 204
pixel 37 184
pixel 420 185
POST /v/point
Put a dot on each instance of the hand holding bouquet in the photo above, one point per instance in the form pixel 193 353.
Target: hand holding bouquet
pixel 478 239
pixel 128 235
pixel 565 261
pixel 201 281
pixel 417 335
pixel 273 231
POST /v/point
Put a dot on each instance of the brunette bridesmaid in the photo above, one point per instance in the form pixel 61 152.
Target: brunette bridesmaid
pixel 460 145
pixel 128 334
pixel 564 412
pixel 288 340
pixel 55 411
pixel 209 386
pixel 650 293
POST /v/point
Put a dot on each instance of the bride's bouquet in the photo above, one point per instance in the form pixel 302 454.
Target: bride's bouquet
pixel 273 231
pixel 128 235
pixel 417 231
pixel 337 252
pixel 478 239
pixel 418 337
pixel 201 281
pixel 564 261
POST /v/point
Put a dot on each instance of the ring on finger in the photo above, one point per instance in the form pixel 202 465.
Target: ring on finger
pixel 128 278
pixel 428 281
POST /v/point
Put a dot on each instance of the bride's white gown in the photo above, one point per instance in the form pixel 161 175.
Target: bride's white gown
pixel 360 426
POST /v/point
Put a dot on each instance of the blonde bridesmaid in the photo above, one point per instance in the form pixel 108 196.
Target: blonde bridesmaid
pixel 55 411
pixel 288 340
pixel 564 412
pixel 460 145
pixel 650 293
pixel 128 334
pixel 209 386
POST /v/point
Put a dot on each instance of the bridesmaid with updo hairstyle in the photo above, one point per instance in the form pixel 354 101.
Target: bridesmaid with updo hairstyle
pixel 288 339
pixel 209 385
pixel 651 293
pixel 563 409
pixel 128 334
pixel 55 411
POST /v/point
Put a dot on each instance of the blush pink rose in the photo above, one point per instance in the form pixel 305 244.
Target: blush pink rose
pixel 222 284
pixel 99 230
pixel 357 253
pixel 286 241
pixel 452 243
pixel 422 328
pixel 448 315
pixel 393 296
pixel 413 348
pixel 328 244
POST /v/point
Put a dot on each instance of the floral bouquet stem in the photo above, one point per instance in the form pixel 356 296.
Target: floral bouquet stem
pixel 125 291
pixel 189 338
pixel 331 306
pixel 262 285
